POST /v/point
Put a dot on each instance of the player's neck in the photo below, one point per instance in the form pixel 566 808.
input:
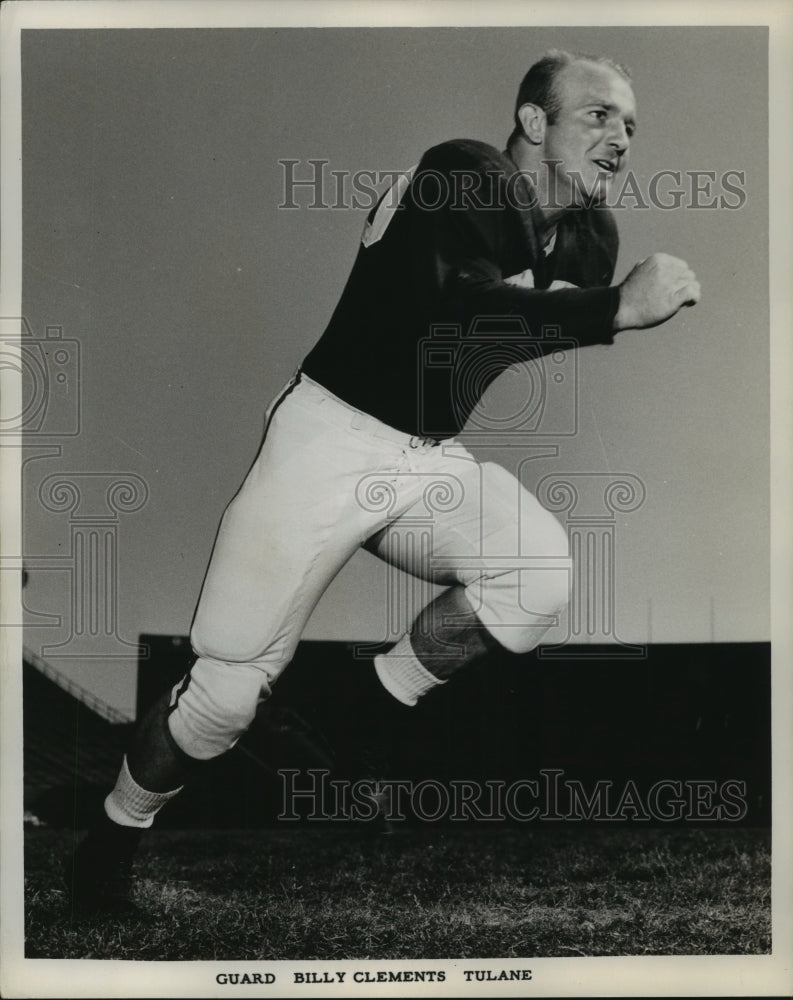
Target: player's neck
pixel 526 159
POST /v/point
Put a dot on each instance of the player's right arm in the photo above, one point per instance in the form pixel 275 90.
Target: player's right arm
pixel 464 222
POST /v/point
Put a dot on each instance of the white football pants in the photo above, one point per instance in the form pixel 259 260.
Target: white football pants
pixel 329 479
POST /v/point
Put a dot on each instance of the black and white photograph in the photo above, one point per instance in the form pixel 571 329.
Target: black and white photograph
pixel 396 454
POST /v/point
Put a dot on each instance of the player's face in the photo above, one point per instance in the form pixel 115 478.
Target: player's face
pixel 591 134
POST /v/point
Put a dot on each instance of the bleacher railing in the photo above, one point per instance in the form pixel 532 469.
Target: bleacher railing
pixel 91 701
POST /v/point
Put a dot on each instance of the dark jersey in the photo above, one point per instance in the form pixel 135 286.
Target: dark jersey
pixel 428 291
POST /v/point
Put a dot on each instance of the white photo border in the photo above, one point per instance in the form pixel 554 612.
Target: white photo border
pixel 710 976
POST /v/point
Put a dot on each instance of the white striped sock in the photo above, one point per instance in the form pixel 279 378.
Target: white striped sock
pixel 402 674
pixel 130 805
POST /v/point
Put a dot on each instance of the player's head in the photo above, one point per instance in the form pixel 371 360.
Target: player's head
pixel 577 112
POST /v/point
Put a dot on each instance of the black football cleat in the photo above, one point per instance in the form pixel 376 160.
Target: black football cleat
pixel 98 874
pixel 374 767
pixel 378 721
pixel 380 823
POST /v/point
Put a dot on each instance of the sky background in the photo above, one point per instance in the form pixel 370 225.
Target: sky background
pixel 153 238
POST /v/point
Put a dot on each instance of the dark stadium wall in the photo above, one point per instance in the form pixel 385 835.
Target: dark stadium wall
pixel 691 721
pixel 681 737
pixel 153 237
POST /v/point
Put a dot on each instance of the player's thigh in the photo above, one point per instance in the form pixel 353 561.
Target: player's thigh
pixel 281 541
pixel 492 524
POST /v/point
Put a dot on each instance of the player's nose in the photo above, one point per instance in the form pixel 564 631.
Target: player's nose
pixel 618 139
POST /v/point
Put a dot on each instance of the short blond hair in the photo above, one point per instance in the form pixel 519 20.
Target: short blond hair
pixel 538 86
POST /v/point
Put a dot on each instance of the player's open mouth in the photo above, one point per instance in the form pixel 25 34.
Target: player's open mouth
pixel 609 165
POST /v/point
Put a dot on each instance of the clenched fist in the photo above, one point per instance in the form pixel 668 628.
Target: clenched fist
pixel 654 291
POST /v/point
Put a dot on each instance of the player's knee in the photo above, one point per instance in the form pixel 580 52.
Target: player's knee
pixel 216 706
pixel 223 641
pixel 541 534
pixel 518 607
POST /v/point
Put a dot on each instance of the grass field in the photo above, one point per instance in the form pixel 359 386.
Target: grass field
pixel 320 893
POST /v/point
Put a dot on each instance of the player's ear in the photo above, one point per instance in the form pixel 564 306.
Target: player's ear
pixel 533 121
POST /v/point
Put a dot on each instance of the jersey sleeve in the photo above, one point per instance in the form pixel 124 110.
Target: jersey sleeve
pixel 469 206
